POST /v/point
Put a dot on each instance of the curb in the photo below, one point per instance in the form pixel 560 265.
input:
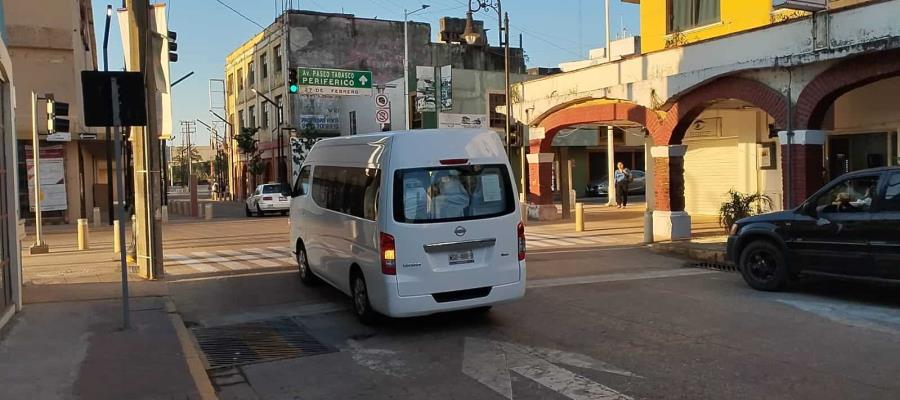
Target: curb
pixel 193 357
pixel 692 252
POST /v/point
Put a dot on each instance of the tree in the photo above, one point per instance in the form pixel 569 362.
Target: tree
pixel 302 143
pixel 248 145
pixel 181 159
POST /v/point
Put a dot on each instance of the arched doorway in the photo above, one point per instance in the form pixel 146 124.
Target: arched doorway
pixel 849 121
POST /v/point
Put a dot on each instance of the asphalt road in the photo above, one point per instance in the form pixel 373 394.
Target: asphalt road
pixel 609 323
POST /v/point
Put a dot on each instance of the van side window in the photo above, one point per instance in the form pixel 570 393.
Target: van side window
pixel 301 186
pixel 347 190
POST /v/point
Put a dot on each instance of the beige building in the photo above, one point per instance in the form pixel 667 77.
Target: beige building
pixel 50 43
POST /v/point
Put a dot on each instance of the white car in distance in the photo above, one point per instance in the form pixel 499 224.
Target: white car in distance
pixel 268 198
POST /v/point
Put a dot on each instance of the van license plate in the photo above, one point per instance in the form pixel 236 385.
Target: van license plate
pixel 462 257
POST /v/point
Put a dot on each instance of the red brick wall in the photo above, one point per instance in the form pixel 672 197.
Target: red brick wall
pixel 540 178
pixel 807 162
pixel 669 181
pixel 818 95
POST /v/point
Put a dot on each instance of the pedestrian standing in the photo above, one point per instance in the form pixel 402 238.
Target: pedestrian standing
pixel 623 178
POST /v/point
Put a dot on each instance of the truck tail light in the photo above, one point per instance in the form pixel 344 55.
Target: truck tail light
pixel 521 231
pixel 388 255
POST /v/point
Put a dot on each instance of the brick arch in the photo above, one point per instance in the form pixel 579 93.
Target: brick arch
pixel 598 113
pixel 685 108
pixel 818 96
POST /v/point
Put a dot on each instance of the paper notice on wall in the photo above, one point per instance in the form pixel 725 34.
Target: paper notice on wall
pixel 446 87
pixel 490 188
pixel 53 178
pixel 446 120
pixel 425 95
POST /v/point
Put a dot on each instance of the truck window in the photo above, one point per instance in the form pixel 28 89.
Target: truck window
pixel 460 193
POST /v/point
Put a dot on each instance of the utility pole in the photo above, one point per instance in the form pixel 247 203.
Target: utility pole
pixel 147 202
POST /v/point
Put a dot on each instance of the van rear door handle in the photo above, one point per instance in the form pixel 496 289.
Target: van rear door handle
pixel 462 245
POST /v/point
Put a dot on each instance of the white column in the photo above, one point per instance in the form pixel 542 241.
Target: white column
pixel 611 164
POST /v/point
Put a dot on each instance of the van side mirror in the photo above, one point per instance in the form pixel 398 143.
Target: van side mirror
pixel 286 191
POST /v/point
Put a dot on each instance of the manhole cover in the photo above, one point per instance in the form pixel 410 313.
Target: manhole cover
pixel 253 342
pixel 715 266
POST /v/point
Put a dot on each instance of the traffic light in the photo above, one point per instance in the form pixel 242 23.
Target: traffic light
pixel 173 47
pixel 293 87
pixel 57 116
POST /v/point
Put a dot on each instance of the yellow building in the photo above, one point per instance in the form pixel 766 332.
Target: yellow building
pixel 671 23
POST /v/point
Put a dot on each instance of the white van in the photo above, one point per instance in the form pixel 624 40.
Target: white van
pixel 410 223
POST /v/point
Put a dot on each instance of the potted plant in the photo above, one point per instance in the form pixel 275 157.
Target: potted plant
pixel 741 205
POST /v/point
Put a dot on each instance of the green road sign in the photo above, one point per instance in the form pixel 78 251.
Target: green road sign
pixel 338 82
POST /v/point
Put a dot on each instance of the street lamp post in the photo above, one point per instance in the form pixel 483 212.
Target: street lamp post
pixel 109 140
pixel 280 111
pixel 406 15
pixel 473 37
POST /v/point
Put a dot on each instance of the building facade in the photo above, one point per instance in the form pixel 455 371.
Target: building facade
pixel 50 43
pixel 341 41
pixel 10 249
pixel 774 105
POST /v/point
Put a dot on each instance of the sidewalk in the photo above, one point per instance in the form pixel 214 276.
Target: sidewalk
pixel 76 350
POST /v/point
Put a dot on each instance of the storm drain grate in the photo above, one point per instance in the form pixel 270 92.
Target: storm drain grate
pixel 715 266
pixel 253 342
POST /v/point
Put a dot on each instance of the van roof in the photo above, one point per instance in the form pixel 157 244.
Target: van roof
pixel 417 148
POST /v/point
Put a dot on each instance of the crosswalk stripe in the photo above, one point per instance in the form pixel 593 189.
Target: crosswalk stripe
pixel 265 263
pixel 203 267
pixel 235 265
pixel 535 243
pixel 553 242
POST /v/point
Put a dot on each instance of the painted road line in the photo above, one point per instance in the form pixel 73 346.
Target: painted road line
pixel 489 363
pixel 232 276
pixel 535 243
pixel 265 253
pixel 583 280
pixel 283 250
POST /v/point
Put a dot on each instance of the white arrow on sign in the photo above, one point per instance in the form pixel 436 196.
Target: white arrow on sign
pixel 489 362
pixel 363 80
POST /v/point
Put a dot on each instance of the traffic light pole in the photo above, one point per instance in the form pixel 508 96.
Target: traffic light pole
pixel 146 148
pixel 39 246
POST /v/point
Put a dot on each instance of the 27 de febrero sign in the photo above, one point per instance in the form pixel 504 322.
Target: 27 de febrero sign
pixel 335 82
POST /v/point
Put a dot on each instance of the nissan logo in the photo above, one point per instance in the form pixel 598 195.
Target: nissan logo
pixel 459 231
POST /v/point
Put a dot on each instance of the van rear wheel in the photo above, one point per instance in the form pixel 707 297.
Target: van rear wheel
pixel 361 304
pixel 306 276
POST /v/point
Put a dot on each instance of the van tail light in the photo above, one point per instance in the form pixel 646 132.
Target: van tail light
pixel 388 255
pixel 454 161
pixel 521 230
pixel 267 198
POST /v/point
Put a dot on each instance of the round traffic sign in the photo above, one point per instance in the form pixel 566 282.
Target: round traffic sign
pixel 383 116
pixel 381 100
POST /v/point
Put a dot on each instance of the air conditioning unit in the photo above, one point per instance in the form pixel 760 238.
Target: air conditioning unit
pixel 801 5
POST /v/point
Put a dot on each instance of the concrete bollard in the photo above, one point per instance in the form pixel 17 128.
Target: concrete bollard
pixel 117 245
pixel 579 217
pixel 164 211
pixel 83 233
pixel 207 212
pixel 97 219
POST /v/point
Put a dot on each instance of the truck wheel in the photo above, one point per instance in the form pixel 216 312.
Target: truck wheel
pixel 763 266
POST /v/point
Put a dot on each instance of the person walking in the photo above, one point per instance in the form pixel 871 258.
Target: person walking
pixel 623 178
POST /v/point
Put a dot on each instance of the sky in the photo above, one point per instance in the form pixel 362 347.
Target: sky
pixel 553 32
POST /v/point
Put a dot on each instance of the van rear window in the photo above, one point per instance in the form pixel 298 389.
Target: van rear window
pixel 458 193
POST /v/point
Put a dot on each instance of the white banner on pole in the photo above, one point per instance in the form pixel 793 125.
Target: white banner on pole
pixel 53 178
pixel 425 96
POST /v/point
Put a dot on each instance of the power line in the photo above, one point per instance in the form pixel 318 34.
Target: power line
pixel 239 13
